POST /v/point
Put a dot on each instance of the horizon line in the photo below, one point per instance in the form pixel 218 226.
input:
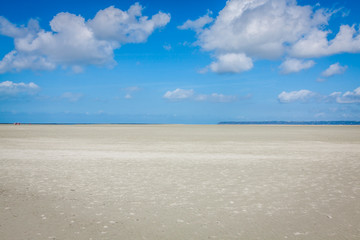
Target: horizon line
pixel 339 122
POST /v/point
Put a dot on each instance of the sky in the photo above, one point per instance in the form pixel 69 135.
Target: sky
pixel 160 61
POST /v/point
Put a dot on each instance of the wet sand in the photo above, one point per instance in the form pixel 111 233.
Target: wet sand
pixel 179 182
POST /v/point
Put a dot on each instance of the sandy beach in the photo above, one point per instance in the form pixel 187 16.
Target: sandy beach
pixel 179 182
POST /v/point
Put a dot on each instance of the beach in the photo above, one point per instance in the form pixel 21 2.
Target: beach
pixel 179 182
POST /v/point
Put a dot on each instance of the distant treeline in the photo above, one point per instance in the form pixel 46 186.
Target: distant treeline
pixel 292 122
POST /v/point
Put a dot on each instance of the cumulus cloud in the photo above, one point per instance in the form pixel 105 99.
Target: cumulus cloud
pixel 306 95
pixel 15 61
pixel 71 42
pixel 231 63
pixel 347 97
pixel 271 29
pixel 334 69
pixel 11 30
pixel 292 65
pixel 9 88
pixel 197 24
pixel 189 94
pixel 260 28
pixel 316 43
pixel 295 96
pixel 126 26
pixel 75 42
pixel 179 94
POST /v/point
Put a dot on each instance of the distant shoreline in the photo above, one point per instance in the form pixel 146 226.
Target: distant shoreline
pixel 291 123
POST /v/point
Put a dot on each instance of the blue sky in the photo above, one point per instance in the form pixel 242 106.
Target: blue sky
pixel 179 61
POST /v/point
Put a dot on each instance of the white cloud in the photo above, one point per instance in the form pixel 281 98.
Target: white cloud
pixel 9 88
pixel 347 97
pixel 179 94
pixel 126 26
pixel 197 24
pixel 11 30
pixel 316 43
pixel 260 28
pixel 18 62
pixel 231 63
pixel 294 96
pixel 72 97
pixel 189 94
pixel 75 42
pixel 306 95
pixel 292 65
pixel 334 69
pixel 270 29
pixel 71 42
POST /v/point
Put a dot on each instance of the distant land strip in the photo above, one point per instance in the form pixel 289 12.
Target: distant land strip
pixel 76 123
pixel 291 123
